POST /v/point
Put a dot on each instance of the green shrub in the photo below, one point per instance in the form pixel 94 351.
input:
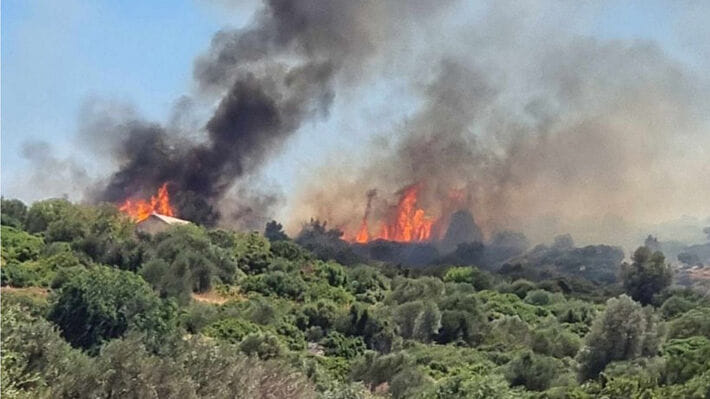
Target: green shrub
pixel 531 370
pixel 103 303
pixel 469 274
pixel 277 283
pixel 337 344
pixel 230 330
pixel 693 322
pixel 686 358
pixel 263 344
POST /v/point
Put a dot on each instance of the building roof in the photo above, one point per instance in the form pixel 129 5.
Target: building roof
pixel 167 219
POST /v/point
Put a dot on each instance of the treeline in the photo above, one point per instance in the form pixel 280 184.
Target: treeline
pixel 93 308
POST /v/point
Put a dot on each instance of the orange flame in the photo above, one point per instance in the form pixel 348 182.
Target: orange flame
pixel 140 210
pixel 363 235
pixel 407 223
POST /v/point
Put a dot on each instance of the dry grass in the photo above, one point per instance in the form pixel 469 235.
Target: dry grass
pixel 214 297
pixel 31 291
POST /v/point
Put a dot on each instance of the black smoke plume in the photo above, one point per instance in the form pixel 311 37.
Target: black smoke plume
pixel 269 77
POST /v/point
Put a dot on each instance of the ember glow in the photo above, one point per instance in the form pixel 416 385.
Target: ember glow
pixel 405 223
pixel 140 209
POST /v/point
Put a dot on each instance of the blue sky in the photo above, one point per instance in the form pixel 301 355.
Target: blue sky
pixel 57 55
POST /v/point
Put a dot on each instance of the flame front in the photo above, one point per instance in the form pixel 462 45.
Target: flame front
pixel 406 223
pixel 140 210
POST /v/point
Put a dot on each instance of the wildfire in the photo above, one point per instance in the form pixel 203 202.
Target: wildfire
pixel 140 210
pixel 406 223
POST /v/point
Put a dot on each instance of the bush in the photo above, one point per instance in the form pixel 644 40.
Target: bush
pixel 264 345
pixel 253 252
pixel 686 358
pixel 469 385
pixel 531 370
pixel 18 246
pixel 230 330
pixel 693 322
pixel 276 283
pixel 100 304
pixel 406 290
pixel 554 341
pixel 471 275
pixel 624 331
pixel 336 344
pixel 676 305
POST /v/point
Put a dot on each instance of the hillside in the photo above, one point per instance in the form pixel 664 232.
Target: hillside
pixel 94 308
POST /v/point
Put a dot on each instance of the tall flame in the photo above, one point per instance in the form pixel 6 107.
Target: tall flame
pixel 140 210
pixel 406 223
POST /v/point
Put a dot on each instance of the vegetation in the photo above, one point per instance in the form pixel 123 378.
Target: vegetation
pixel 91 308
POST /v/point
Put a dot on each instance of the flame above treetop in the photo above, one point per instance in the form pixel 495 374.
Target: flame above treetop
pixel 405 223
pixel 141 209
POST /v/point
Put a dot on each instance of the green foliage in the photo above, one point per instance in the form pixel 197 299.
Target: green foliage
pixel 19 246
pixel 406 289
pixel 230 330
pixel 554 341
pixel 624 331
pixel 34 356
pixel 538 298
pixel 427 323
pixel 375 369
pixel 185 260
pixel 14 212
pixel 197 315
pixel 404 317
pixel 364 321
pixel 277 283
pixel 693 322
pixel 686 358
pixel 100 304
pixel 252 252
pixel 290 251
pixel 534 371
pixel 331 272
pixel 280 321
pixel 42 213
pixel 264 345
pixel 521 288
pixel 469 386
pixel 337 344
pixel 367 283
pixel 321 314
pixel 498 305
pixel 676 305
pixel 646 276
pixel 469 274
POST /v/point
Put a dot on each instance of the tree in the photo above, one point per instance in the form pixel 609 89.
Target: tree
pixel 427 323
pixel 533 371
pixel 42 213
pixel 469 274
pixel 101 303
pixel 623 331
pixel 647 275
pixel 14 212
pixel 274 232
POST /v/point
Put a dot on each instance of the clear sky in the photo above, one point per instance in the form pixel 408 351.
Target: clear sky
pixel 56 55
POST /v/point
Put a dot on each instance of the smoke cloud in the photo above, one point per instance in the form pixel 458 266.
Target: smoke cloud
pixel 269 77
pixel 538 130
pixel 509 110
